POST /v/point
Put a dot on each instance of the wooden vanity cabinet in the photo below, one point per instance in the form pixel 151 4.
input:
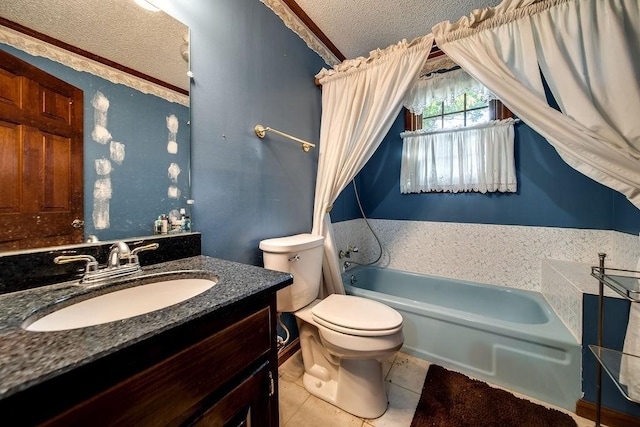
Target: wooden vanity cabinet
pixel 218 370
pixel 243 406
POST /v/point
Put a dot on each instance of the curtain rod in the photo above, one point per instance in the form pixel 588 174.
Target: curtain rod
pixel 261 131
pixel 492 123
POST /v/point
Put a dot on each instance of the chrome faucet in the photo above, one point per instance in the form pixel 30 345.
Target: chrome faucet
pixel 119 251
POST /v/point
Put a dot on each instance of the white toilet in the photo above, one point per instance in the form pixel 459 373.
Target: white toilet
pixel 344 339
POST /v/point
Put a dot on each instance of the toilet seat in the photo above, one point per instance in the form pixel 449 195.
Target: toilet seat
pixel 356 316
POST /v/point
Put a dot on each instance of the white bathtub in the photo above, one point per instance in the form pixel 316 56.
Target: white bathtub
pixel 504 336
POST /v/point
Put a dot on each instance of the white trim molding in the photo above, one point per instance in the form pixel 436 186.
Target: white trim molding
pixel 77 62
pixel 295 24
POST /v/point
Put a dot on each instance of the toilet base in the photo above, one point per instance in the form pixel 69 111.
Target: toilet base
pixel 359 389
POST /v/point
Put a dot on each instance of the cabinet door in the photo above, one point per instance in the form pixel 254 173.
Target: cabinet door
pixel 247 405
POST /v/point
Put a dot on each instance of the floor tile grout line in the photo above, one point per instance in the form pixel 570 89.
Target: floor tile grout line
pixel 297 409
pixel 299 406
pixel 405 388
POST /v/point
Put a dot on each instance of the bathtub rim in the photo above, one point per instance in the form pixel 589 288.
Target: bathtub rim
pixel 553 332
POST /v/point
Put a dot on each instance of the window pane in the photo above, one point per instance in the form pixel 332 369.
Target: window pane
pixel 432 123
pixel 434 109
pixel 453 121
pixel 454 105
pixel 474 100
pixel 475 117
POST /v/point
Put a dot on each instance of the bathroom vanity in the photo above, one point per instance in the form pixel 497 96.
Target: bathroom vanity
pixel 211 360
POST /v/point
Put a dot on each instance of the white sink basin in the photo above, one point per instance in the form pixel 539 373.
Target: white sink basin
pixel 121 304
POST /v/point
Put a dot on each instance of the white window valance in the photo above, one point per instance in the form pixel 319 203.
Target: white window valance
pixel 478 158
pixel 442 87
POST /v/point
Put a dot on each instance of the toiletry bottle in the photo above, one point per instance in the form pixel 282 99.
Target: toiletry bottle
pixel 165 224
pixel 183 214
pixel 187 224
pixel 157 225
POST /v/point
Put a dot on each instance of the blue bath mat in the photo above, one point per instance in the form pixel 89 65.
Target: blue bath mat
pixel 450 399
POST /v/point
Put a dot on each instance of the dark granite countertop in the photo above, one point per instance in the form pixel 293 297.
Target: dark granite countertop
pixel 29 358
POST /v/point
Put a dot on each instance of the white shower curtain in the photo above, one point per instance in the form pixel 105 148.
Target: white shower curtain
pixel 360 100
pixel 587 51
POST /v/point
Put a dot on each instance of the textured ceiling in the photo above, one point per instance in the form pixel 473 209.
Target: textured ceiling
pixel 118 30
pixel 357 27
pixel 151 42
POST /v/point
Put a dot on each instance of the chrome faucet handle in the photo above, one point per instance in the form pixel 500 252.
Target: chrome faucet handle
pixel 133 258
pixel 149 247
pixel 92 264
pixel 342 254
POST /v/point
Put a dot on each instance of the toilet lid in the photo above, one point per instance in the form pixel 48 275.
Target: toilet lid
pixel 356 316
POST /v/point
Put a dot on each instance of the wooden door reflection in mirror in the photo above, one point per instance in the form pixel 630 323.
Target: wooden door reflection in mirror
pixel 41 149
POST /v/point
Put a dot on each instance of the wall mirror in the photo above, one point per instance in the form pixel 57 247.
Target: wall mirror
pixel 136 137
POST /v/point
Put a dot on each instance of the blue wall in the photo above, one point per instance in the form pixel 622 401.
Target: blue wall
pixel 550 193
pixel 249 69
pixel 138 121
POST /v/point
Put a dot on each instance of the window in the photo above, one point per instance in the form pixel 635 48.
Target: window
pixel 451 100
pixel 466 109
pixel 456 143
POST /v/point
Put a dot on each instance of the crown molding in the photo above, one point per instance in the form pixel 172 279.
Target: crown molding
pixel 36 47
pixel 299 22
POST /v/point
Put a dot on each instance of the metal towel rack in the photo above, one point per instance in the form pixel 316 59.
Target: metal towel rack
pixel 261 131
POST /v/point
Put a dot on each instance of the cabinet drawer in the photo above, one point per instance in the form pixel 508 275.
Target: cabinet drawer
pixel 169 392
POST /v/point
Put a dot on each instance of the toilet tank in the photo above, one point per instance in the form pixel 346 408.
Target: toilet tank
pixel 301 255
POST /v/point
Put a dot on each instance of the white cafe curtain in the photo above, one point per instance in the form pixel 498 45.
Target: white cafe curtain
pixel 474 158
pixel 587 51
pixel 360 100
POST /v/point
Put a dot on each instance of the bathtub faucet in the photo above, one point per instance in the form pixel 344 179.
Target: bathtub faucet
pixel 342 254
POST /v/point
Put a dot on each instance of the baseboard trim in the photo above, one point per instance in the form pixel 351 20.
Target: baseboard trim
pixel 288 351
pixel 608 417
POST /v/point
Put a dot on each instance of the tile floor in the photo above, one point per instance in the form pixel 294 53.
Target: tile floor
pixel 404 376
